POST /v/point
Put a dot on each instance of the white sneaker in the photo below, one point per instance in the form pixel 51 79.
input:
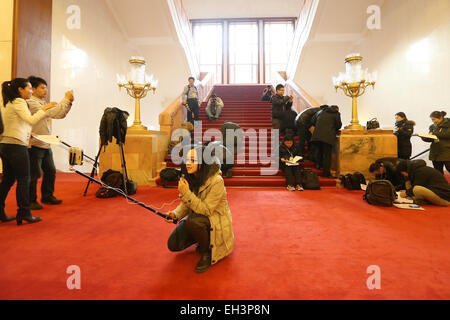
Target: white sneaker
pixel 291 188
pixel 300 188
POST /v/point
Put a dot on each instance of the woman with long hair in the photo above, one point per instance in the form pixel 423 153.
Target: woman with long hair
pixel 14 142
pixel 440 148
pixel 404 130
pixel 204 212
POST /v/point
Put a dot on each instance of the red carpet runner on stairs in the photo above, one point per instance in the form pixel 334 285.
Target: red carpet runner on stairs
pixel 243 106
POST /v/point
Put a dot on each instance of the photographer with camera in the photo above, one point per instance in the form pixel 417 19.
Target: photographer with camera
pixel 214 107
pixel 204 210
pixel 190 101
pixel 280 105
pixel 14 142
pixel 41 156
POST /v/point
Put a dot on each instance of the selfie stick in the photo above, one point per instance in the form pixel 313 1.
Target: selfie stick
pixel 163 215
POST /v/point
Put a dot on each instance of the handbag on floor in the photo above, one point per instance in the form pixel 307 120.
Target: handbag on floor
pixel 353 181
pixel 310 180
pixel 380 193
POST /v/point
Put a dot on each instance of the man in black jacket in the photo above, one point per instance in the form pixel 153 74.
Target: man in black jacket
pixel 280 104
pixel 303 122
pixel 326 125
pixel 425 185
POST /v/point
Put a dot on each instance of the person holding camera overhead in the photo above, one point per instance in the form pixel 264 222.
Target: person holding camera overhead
pixel 280 104
pixel 204 212
pixel 214 107
pixel 14 142
pixel 190 100
pixel 41 156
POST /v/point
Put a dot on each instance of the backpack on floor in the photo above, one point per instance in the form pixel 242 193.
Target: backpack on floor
pixel 169 174
pixel 380 193
pixel 353 181
pixel 310 180
pixel 113 179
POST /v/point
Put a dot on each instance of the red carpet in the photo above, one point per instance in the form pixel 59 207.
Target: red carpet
pixel 310 245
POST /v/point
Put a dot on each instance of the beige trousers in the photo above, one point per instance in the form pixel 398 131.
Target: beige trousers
pixel 423 193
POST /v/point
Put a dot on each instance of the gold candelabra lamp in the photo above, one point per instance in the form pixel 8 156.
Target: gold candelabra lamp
pixel 137 84
pixel 354 83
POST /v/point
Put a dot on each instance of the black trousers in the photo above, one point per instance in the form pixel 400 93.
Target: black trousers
pixel 42 159
pixel 439 165
pixel 195 229
pixel 304 136
pixel 16 166
pixel 193 105
pixel 291 173
pixel 324 152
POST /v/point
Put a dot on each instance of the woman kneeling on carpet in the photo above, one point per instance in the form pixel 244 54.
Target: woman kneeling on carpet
pixel 204 212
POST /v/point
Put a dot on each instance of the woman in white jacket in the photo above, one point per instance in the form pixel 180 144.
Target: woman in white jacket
pixel 14 142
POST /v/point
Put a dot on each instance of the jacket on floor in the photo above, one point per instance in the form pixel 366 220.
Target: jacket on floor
pixel 327 123
pixel 404 133
pixel 440 149
pixel 212 202
pixel 421 175
pixel 279 105
pixel 305 117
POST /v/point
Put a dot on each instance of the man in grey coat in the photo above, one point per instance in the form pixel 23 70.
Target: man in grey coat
pixel 41 156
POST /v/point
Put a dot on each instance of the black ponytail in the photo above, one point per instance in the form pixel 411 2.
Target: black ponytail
pixel 438 114
pixel 10 89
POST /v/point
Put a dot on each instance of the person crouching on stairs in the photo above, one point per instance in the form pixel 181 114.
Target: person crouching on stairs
pixel 204 212
pixel 288 151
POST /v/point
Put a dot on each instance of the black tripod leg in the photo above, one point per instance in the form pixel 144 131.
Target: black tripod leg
pixel 94 169
pixel 124 168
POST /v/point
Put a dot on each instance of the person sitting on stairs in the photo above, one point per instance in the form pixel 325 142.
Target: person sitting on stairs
pixel 288 151
pixel 214 107
pixel 280 104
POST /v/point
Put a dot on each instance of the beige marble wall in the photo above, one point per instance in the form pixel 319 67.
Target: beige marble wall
pixel 6 37
pixel 6 40
pixel 359 149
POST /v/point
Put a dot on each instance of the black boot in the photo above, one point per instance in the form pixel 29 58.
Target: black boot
pixel 36 206
pixel 5 218
pixel 205 263
pixel 28 218
pixel 51 200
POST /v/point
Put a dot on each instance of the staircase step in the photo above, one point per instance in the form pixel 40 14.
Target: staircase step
pixel 257 182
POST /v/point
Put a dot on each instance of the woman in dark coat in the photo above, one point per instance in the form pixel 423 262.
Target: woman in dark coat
pixel 440 149
pixel 326 125
pixel 404 129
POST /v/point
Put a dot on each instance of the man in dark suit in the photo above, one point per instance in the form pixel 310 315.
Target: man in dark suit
pixel 326 125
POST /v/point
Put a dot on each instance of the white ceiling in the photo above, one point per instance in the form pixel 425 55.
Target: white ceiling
pixel 208 9
pixel 341 20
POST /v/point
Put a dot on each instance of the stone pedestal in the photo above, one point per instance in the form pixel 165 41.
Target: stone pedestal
pixel 356 150
pixel 144 156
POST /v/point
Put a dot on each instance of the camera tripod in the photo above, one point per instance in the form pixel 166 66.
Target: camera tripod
pixel 122 160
